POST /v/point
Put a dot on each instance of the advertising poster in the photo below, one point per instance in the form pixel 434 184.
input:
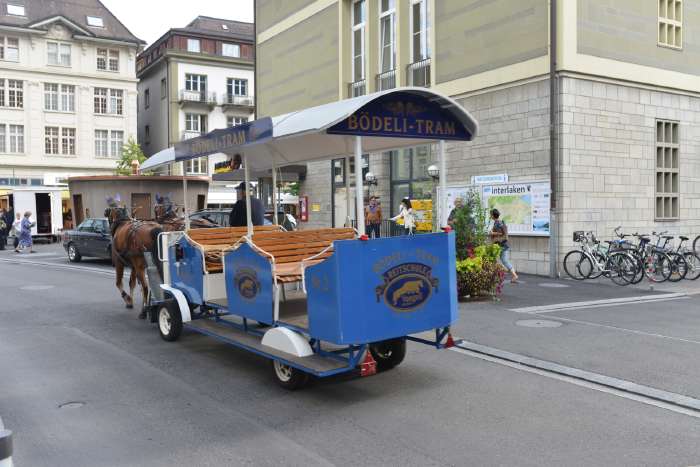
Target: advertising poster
pixel 423 210
pixel 524 206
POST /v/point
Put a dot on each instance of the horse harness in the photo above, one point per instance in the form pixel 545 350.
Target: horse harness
pixel 134 226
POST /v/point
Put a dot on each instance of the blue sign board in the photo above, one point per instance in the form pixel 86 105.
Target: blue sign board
pixel 224 140
pixel 403 115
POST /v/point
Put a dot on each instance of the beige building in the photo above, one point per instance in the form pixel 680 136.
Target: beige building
pixel 67 90
pixel 618 144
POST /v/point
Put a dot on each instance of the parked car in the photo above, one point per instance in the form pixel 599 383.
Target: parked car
pixel 217 216
pixel 91 238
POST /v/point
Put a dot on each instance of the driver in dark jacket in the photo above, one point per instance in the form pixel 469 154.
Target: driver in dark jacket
pixel 238 218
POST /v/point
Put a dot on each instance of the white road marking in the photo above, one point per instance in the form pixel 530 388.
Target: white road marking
pixel 107 272
pixel 598 303
pixel 37 287
pixel 621 388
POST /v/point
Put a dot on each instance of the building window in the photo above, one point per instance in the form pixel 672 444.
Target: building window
pixel 68 141
pixel 237 87
pixel 59 97
pixel 116 143
pixel 667 170
pixel 358 40
pixel 671 23
pixel 420 30
pixel 15 10
pixel 109 101
pixel 193 45
pixel 95 22
pixel 13 94
pixel 17 139
pixel 101 143
pixel 147 98
pixel 58 53
pixel 409 176
pixel 163 88
pixel 387 41
pixel 107 60
pixel 230 50
pixel 235 121
pixel 196 123
pixel 3 138
pixel 9 49
pixel 147 132
pixel 51 140
pixel 196 166
pixel 195 82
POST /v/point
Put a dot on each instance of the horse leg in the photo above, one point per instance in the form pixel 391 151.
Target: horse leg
pixel 119 267
pixel 132 285
pixel 141 275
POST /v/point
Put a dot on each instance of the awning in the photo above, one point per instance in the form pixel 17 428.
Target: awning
pixel 387 120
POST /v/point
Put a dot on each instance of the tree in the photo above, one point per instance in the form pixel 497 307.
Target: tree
pixel 130 151
pixel 470 225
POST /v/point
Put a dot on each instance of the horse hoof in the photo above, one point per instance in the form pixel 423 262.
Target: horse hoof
pixel 129 306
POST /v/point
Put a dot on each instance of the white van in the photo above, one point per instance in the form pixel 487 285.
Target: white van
pixel 45 205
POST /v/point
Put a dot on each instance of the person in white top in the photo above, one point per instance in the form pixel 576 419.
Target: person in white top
pixel 409 219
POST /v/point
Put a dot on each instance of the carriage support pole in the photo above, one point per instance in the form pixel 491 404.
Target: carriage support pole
pixel 248 214
pixel 184 195
pixel 359 202
pixel 442 202
pixel 274 192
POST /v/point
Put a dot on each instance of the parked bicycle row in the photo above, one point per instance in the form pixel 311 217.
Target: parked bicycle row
pixel 629 258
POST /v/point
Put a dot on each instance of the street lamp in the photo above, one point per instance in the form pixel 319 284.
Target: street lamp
pixel 434 172
pixel 370 179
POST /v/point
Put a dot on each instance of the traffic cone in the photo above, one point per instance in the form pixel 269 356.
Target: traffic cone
pixel 369 366
pixel 449 342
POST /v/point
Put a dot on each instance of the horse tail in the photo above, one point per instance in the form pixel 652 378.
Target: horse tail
pixel 154 250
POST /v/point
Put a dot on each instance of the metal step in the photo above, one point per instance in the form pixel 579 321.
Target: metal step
pixel 315 364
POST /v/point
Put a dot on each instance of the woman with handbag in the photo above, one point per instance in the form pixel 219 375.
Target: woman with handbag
pixel 25 235
pixel 499 236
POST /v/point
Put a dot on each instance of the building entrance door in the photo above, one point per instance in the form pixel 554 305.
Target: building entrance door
pixel 141 205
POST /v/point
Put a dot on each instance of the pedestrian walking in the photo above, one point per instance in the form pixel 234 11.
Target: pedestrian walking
pixel 16 230
pixel 499 236
pixel 406 213
pixel 25 236
pixel 3 229
pixel 459 204
pixel 373 217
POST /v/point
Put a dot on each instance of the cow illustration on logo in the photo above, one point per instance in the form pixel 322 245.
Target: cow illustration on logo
pixel 247 283
pixel 407 286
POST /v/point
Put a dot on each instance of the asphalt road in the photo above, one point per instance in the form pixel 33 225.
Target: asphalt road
pixel 133 399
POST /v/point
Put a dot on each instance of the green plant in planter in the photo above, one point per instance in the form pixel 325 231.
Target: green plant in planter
pixel 470 226
pixel 481 274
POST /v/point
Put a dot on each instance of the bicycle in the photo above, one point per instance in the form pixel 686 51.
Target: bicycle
pixel 589 263
pixel 696 245
pixel 679 266
pixel 691 258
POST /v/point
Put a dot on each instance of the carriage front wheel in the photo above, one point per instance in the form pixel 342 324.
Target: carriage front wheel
pixel 169 321
pixel 389 353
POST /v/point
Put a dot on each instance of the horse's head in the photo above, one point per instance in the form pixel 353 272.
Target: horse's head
pixel 114 214
pixel 164 207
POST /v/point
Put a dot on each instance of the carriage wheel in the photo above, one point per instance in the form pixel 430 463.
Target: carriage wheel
pixel 289 377
pixel 169 321
pixel 73 255
pixel 388 354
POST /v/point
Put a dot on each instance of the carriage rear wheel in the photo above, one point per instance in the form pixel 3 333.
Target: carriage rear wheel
pixel 289 377
pixel 73 254
pixel 169 321
pixel 389 353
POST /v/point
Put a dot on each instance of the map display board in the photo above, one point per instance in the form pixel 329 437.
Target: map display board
pixel 524 206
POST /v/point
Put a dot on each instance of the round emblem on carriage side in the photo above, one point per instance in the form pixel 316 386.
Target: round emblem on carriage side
pixel 407 287
pixel 247 283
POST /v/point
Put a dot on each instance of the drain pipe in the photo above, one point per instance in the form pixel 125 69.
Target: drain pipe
pixel 553 143
pixel 5 446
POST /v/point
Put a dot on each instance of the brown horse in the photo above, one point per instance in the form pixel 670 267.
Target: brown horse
pixel 130 239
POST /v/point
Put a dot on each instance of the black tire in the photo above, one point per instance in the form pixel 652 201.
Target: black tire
pixel 696 245
pixel 596 270
pixel 679 267
pixel 169 321
pixel 657 267
pixel 693 260
pixel 74 255
pixel 289 377
pixel 640 269
pixel 389 353
pixel 622 269
pixel 573 262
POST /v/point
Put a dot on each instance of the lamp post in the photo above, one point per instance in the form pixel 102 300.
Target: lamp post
pixel 434 173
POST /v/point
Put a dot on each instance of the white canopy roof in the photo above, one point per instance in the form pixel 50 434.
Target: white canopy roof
pixel 303 136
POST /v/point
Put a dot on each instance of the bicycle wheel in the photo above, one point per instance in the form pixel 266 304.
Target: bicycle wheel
pixel 640 268
pixel 657 267
pixel 621 267
pixel 693 261
pixel 679 268
pixel 696 245
pixel 577 265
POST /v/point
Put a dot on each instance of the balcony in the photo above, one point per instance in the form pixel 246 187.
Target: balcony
pixel 233 100
pixel 386 80
pixel 188 134
pixel 197 98
pixel 358 88
pixel 418 73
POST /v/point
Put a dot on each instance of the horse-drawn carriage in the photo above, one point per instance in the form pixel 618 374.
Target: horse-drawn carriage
pixel 325 301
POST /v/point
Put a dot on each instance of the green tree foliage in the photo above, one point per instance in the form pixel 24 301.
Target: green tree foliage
pixel 470 225
pixel 130 151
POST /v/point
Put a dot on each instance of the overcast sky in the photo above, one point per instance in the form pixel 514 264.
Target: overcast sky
pixel 149 19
